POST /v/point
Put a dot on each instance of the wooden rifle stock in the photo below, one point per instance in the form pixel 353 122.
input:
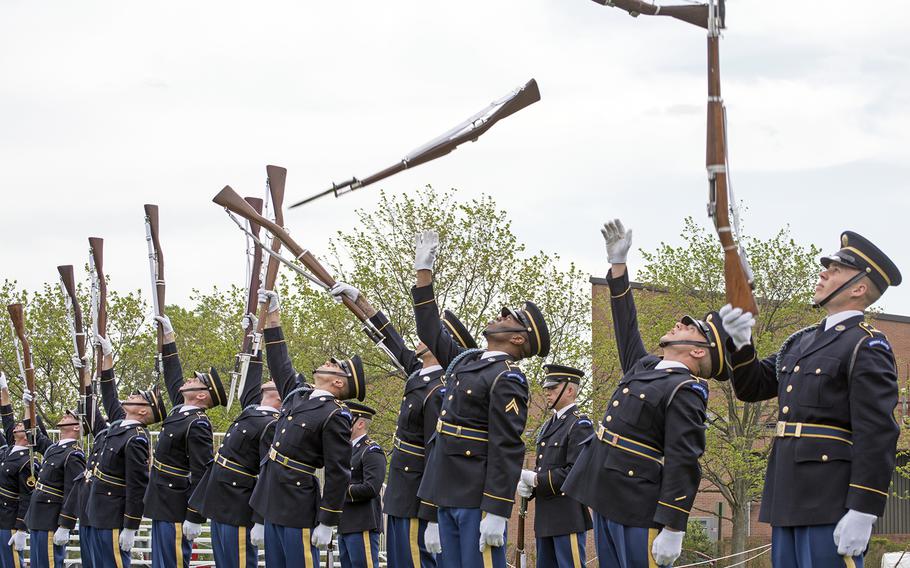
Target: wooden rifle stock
pixel 17 315
pixel 67 278
pixel 277 177
pixel 520 555
pixel 156 267
pixel 469 130
pixel 96 246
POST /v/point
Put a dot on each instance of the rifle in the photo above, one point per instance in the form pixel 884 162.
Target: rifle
pixel 738 281
pixel 77 331
pixel 276 177
pixel 329 555
pixel 233 203
pixel 99 298
pixel 17 315
pixel 254 268
pixel 521 558
pixel 471 129
pixel 156 271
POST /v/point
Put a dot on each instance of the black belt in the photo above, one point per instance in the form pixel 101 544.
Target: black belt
pixel 407 448
pixel 233 466
pixel 461 431
pixel 807 430
pixel 289 463
pixel 629 445
pixel 50 490
pixel 170 469
pixel 107 478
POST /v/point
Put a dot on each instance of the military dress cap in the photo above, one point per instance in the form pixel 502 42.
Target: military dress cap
pixel 71 416
pixel 716 342
pixel 359 410
pixel 357 384
pixel 213 382
pixel 532 320
pixel 558 374
pixel 458 331
pixel 153 397
pixel 858 252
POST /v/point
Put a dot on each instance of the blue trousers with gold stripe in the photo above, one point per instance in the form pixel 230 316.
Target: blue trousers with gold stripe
pixel 169 547
pixel 563 551
pixel 619 546
pixel 9 558
pixel 44 554
pixel 459 531
pixel 359 550
pixel 85 546
pixel 404 543
pixel 232 547
pixel 289 547
pixel 106 551
pixel 807 547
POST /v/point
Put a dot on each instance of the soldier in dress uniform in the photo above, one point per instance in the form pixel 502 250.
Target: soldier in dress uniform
pixel 560 522
pixel 475 463
pixel 17 481
pixel 836 385
pixel 639 472
pixel 120 476
pixel 63 464
pixel 224 493
pixel 408 519
pixel 361 517
pixel 313 431
pixel 182 452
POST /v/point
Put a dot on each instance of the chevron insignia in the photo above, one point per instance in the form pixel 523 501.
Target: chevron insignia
pixel 512 407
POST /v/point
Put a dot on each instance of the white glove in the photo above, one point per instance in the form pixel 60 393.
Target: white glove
pixel 431 539
pixel 344 289
pixel 61 536
pixel 27 396
pixel 257 535
pixel 165 322
pixel 249 321
pixel 322 536
pixel 425 246
pixel 618 241
pixel 191 530
pixel 527 482
pixel 667 546
pixel 738 325
pixel 105 344
pixel 17 541
pixel 851 535
pixel 127 538
pixel 4 384
pixel 492 531
pixel 271 297
pixel 77 362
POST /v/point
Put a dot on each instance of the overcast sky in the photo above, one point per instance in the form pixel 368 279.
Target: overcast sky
pixel 105 106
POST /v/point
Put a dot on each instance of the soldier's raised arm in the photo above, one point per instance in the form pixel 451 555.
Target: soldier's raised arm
pixel 276 348
pixel 109 396
pixel 426 311
pixel 618 240
pixel 173 370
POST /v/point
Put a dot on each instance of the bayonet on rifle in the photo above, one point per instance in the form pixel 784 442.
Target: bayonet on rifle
pixel 469 130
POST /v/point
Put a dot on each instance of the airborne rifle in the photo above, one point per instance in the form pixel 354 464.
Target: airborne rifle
pixel 17 315
pixel 156 271
pixel 77 332
pixel 99 299
pixel 312 269
pixel 471 129
pixel 738 282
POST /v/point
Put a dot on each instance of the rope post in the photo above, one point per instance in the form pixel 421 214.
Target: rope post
pixel 718 547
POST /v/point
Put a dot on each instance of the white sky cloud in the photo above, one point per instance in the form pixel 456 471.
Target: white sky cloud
pixel 105 106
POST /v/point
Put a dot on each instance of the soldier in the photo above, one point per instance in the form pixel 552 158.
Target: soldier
pixel 836 384
pixel 361 517
pixel 560 522
pixel 640 472
pixel 407 518
pixel 17 482
pixel 114 505
pixel 223 494
pixel 313 431
pixel 474 466
pixel 183 450
pixel 63 465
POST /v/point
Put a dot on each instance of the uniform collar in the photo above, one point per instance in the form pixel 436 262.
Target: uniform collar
pixel 356 440
pixel 562 411
pixel 266 408
pixel 66 441
pixel 430 369
pixel 839 317
pixel 130 423
pixel 316 393
pixel 488 354
pixel 667 364
pixel 17 449
pixel 189 407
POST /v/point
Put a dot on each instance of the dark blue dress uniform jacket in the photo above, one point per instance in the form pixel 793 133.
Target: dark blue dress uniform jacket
pixel 16 484
pixel 74 505
pixel 843 378
pixel 478 449
pixel 558 446
pixel 62 468
pixel 183 450
pixel 362 505
pixel 121 473
pixel 641 467
pixel 224 493
pixel 311 433
pixel 417 416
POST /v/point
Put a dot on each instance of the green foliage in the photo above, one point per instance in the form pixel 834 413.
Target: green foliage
pixel 697 545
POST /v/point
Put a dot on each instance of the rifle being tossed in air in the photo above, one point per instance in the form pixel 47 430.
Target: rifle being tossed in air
pixel 17 315
pixel 77 332
pixel 156 272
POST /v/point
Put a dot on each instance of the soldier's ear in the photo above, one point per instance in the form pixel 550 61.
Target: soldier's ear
pixel 698 353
